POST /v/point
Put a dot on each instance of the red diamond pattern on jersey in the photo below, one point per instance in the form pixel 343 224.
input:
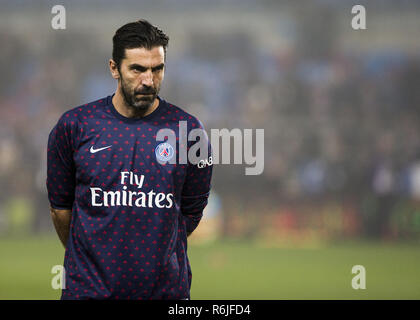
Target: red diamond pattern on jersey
pixel 121 251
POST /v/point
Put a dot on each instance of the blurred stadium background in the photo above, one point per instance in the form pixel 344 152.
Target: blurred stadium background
pixel 340 109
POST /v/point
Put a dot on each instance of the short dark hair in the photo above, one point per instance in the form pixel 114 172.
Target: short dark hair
pixel 138 34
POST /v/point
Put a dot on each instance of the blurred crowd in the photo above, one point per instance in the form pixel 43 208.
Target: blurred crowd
pixel 342 134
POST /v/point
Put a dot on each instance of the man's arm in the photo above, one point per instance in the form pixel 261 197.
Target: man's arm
pixel 61 220
pixel 196 189
pixel 61 175
pixel 192 222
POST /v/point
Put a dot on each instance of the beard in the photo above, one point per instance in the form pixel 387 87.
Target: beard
pixel 141 99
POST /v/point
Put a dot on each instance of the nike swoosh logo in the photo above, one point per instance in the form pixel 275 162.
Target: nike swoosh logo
pixel 92 150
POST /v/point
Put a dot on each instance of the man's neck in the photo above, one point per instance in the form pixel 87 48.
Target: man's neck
pixel 128 111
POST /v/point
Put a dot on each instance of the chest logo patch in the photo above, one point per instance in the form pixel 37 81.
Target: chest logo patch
pixel 164 152
pixel 93 150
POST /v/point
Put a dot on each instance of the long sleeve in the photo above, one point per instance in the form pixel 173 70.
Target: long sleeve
pixel 196 189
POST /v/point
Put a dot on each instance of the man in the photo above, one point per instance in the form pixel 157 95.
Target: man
pixel 121 208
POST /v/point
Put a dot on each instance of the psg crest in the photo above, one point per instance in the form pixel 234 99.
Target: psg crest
pixel 164 152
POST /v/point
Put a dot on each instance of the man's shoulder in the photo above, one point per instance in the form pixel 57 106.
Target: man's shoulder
pixel 179 114
pixel 84 111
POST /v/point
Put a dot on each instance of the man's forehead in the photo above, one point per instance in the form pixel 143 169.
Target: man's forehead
pixel 155 55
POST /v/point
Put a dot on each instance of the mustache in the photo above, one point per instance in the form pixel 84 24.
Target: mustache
pixel 146 91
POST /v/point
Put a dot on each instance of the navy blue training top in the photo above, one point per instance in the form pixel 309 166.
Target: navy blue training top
pixel 131 213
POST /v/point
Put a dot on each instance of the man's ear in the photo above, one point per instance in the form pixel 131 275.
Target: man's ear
pixel 113 68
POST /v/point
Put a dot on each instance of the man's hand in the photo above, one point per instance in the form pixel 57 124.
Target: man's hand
pixel 192 222
pixel 61 220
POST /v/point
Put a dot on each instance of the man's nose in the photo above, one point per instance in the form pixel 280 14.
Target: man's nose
pixel 147 79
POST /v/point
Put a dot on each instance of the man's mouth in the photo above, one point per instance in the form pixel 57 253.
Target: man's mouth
pixel 145 94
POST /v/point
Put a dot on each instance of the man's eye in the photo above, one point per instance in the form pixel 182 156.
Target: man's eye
pixel 158 68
